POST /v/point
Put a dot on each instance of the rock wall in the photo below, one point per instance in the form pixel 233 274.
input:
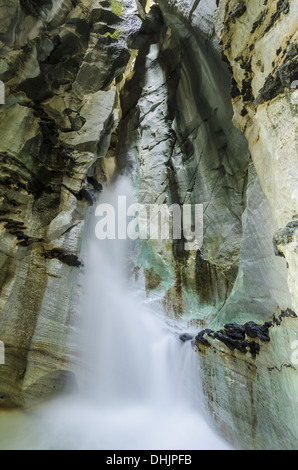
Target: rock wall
pixel 256 391
pixel 59 61
pixel 97 88
pixel 259 40
pixel 177 136
pixel 249 377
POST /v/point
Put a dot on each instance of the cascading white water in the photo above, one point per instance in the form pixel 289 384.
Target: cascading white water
pixel 140 384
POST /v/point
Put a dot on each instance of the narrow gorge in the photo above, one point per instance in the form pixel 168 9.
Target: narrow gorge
pixel 173 102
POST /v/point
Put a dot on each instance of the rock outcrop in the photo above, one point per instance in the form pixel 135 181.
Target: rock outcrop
pixel 250 380
pixel 197 101
pixel 176 136
pixel 59 61
pixel 259 41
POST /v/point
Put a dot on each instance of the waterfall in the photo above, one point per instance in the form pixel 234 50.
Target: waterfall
pixel 139 383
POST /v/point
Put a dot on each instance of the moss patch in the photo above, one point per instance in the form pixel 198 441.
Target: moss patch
pixel 118 7
pixel 115 35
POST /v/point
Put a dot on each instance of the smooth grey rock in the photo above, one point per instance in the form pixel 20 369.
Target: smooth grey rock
pixel 53 128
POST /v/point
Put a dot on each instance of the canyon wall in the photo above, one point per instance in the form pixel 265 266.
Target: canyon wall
pixel 203 69
pixel 59 61
pixel 256 370
pixel 196 101
pixel 178 136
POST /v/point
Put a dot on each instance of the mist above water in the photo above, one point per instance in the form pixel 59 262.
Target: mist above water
pixel 139 384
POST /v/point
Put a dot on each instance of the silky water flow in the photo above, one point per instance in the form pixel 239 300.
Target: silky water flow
pixel 139 384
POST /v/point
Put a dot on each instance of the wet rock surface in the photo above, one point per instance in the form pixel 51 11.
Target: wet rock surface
pixel 92 90
pixel 247 370
pixel 58 61
pixel 185 154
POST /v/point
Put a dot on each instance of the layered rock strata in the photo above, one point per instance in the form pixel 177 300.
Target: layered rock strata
pixel 180 136
pixel 59 62
pixel 97 88
pixel 259 41
pixel 177 137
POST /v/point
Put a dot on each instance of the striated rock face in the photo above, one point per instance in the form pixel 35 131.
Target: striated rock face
pixel 59 61
pixel 198 103
pixel 176 136
pixel 259 41
pixel 255 392
pixel 250 382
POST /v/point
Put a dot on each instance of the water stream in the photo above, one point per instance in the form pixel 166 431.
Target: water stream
pixel 139 384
